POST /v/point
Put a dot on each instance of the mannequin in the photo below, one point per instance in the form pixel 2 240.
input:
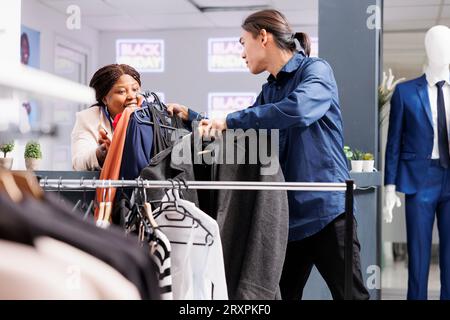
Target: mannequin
pixel 416 162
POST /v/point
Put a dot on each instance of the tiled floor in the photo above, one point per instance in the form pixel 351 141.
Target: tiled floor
pixel 394 281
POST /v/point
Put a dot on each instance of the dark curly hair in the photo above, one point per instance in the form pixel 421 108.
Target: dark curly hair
pixel 104 79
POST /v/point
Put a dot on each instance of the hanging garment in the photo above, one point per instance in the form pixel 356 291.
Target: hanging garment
pixel 137 149
pixel 147 135
pixel 109 283
pixel 161 256
pixel 25 274
pixel 197 262
pixel 29 219
pixel 111 167
pixel 215 263
pixel 253 223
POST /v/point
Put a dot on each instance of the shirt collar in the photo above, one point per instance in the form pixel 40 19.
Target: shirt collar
pixel 433 80
pixel 108 116
pixel 292 65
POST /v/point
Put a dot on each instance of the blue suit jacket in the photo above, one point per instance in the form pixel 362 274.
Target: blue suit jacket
pixel 410 136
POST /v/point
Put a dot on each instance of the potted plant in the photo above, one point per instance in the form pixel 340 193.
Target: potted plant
pixel 357 161
pixel 5 148
pixel 368 162
pixel 348 154
pixel 32 155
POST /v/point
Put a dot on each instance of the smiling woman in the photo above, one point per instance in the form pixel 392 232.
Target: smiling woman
pixel 116 88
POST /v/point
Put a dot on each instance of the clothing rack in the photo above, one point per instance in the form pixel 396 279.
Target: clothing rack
pixel 349 187
pixel 211 185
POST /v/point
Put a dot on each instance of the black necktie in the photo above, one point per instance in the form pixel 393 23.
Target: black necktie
pixel 444 155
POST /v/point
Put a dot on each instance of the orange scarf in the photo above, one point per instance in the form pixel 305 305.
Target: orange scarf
pixel 113 161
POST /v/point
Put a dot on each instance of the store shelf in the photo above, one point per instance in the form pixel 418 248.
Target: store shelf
pixel 21 78
pixel 366 179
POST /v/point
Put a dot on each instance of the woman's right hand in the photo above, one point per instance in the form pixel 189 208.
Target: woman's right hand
pixel 178 109
pixel 103 146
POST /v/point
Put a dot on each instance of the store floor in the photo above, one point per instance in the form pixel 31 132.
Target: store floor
pixel 394 281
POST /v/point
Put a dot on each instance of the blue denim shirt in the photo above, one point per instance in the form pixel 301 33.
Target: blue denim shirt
pixel 302 101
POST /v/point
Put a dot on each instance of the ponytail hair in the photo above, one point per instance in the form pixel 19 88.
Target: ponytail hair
pixel 304 41
pixel 275 22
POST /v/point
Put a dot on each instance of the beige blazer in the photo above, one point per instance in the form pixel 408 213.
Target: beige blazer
pixel 85 137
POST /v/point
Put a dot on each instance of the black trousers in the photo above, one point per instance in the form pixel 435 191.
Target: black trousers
pixel 325 250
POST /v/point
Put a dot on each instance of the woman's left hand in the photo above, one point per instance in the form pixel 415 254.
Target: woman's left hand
pixel 140 100
pixel 212 127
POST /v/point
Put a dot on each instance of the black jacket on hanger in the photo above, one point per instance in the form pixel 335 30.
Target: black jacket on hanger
pixel 253 223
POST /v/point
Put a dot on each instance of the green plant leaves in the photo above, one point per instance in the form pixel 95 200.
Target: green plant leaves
pixel 33 150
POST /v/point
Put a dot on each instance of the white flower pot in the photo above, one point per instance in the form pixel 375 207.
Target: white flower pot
pixel 357 165
pixel 32 164
pixel 368 165
pixel 6 163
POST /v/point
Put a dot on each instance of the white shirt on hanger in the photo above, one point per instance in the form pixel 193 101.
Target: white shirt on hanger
pixel 198 271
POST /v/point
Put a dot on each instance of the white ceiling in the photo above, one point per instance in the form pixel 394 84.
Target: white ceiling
pixel 405 21
pixel 405 25
pixel 127 15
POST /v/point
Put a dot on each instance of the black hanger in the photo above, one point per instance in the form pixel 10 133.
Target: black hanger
pixel 168 201
pixel 186 187
pixel 147 226
pixel 173 206
pixel 145 110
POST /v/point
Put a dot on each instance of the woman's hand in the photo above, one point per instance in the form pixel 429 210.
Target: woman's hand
pixel 103 146
pixel 140 100
pixel 179 110
pixel 211 128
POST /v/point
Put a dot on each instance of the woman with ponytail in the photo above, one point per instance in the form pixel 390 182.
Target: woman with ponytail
pixel 301 100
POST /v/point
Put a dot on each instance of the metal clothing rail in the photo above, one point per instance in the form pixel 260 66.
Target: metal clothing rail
pixel 349 187
pixel 217 185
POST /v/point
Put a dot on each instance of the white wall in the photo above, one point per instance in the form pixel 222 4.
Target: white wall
pixel 52 25
pixel 9 28
pixel 9 54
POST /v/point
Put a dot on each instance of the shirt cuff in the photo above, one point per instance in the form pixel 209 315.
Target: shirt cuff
pixel 192 115
pixel 242 120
